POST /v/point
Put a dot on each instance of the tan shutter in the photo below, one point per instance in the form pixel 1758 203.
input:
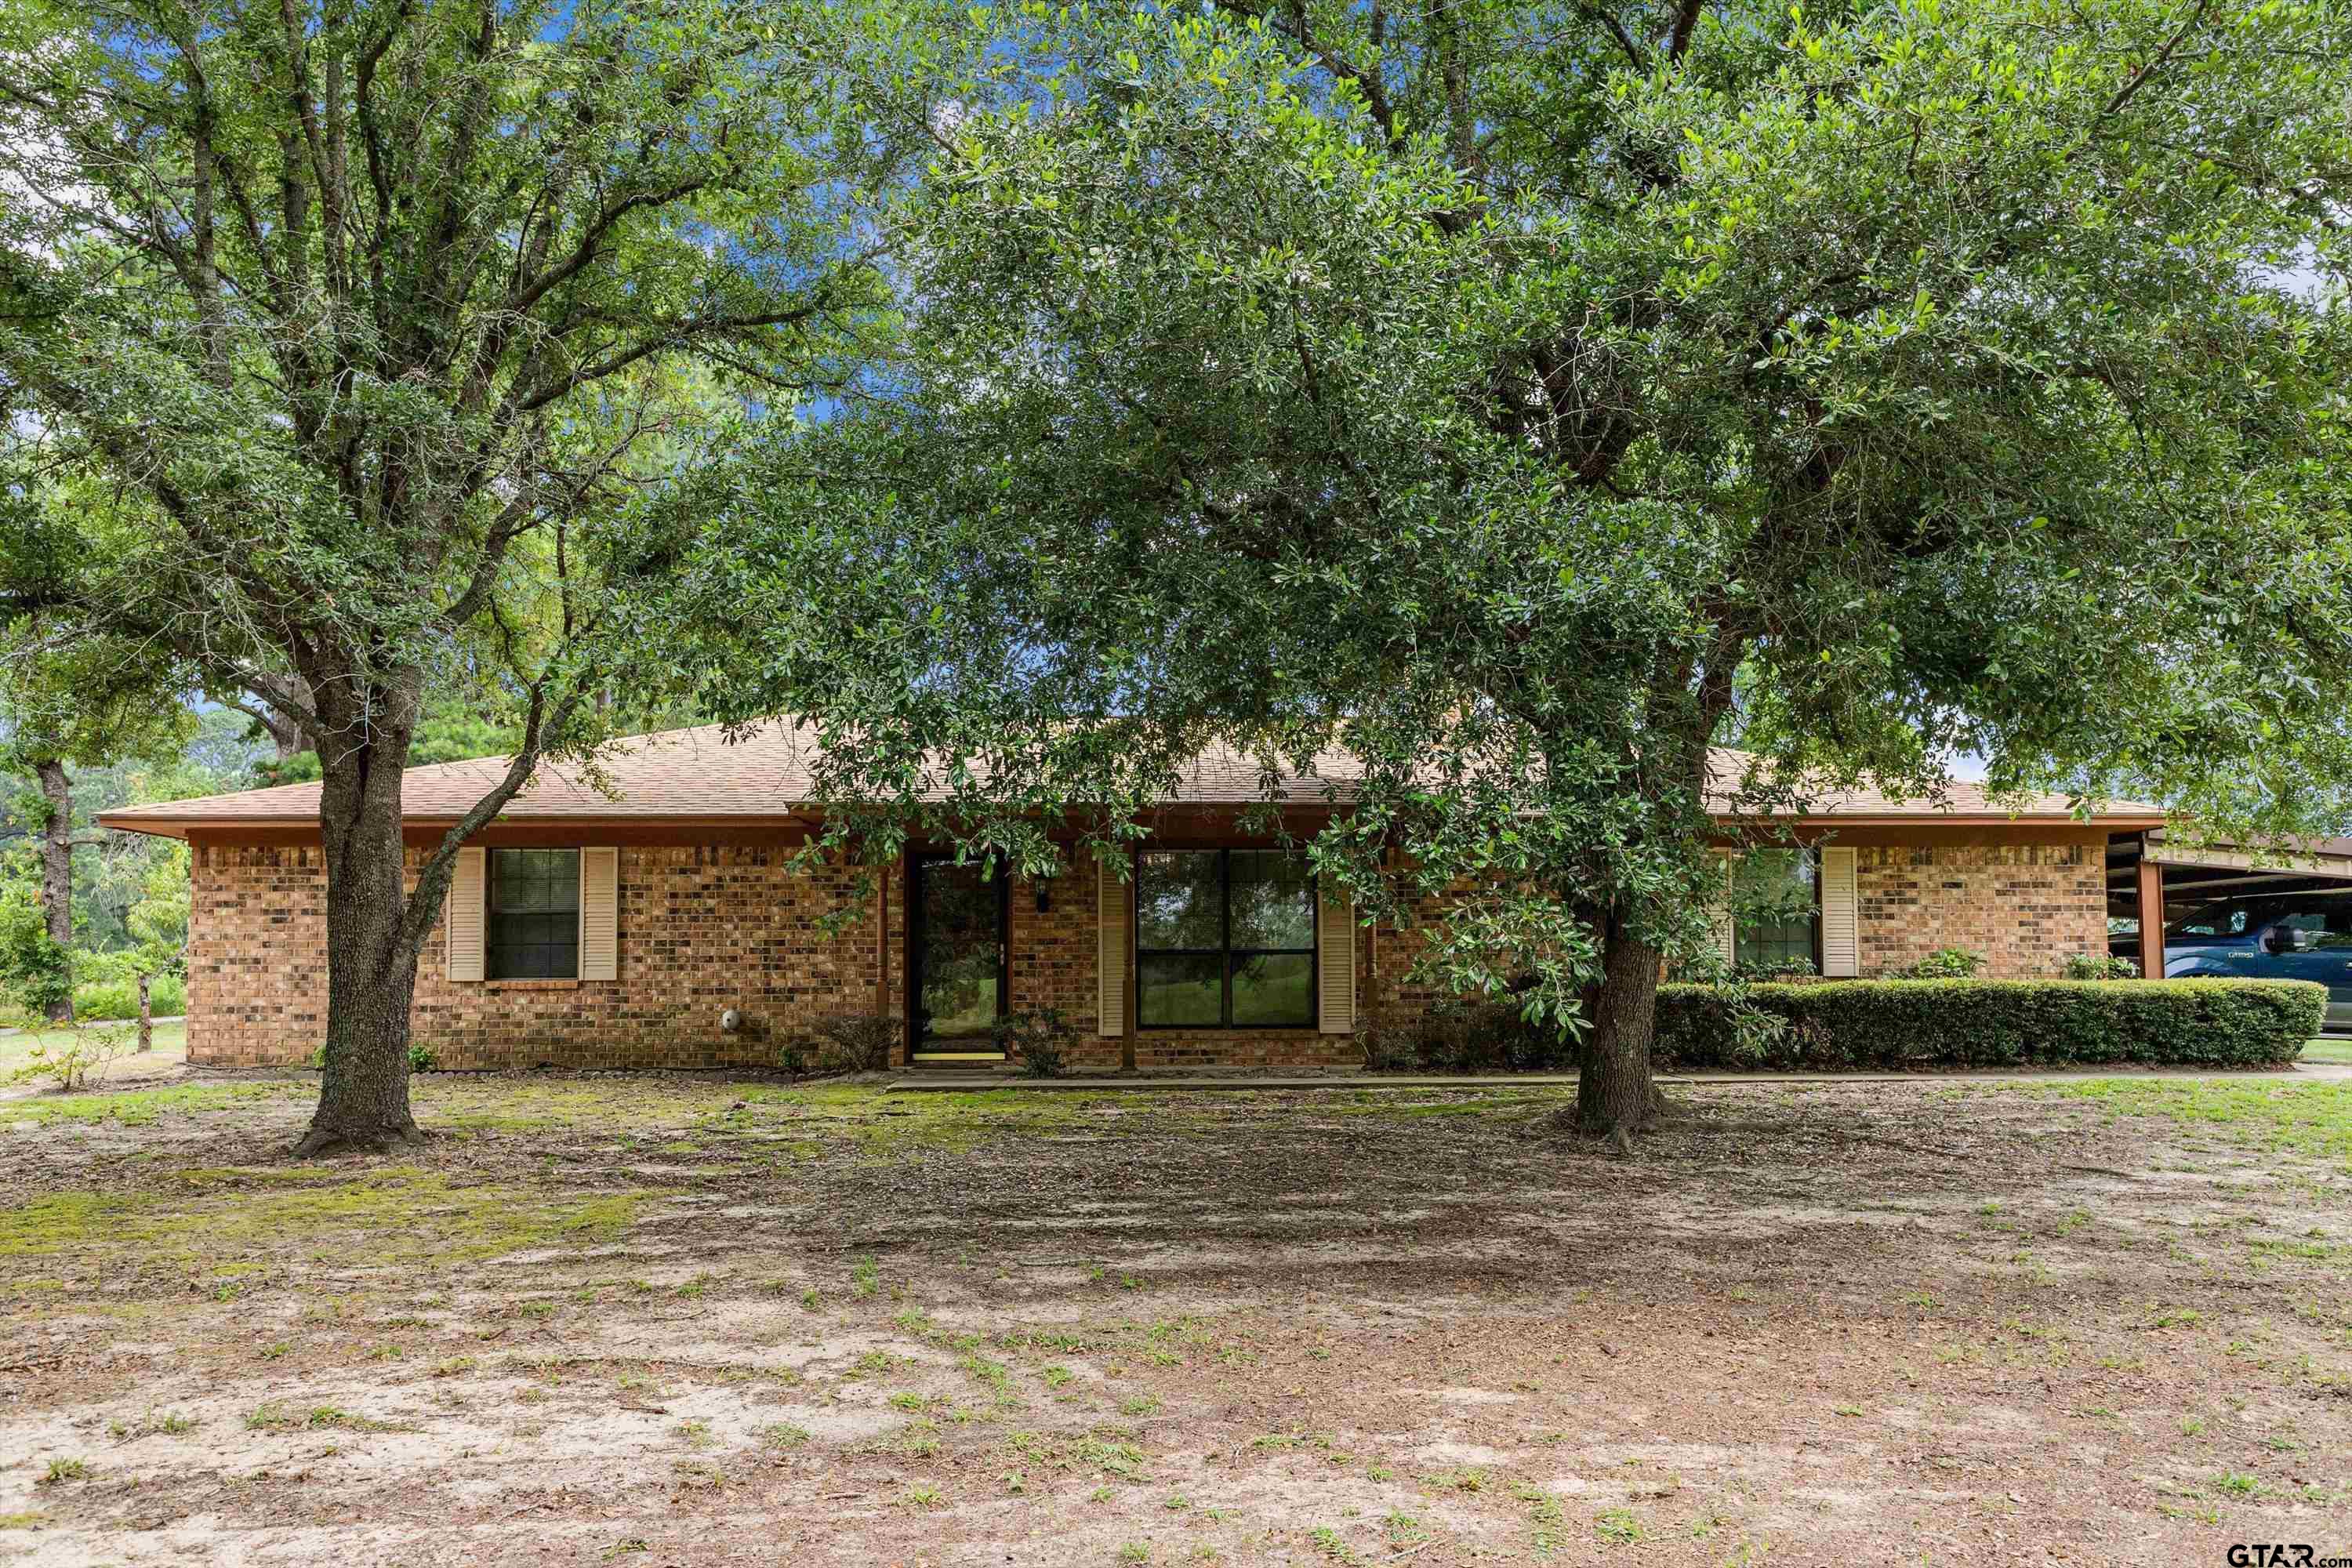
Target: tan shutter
pixel 600 914
pixel 1841 953
pixel 1110 949
pixel 1727 929
pixel 1334 965
pixel 464 911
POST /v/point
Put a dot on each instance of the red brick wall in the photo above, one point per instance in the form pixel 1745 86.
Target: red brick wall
pixel 703 929
pixel 2024 906
pixel 709 927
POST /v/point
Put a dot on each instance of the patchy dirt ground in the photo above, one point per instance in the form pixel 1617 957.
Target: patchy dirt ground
pixel 667 1321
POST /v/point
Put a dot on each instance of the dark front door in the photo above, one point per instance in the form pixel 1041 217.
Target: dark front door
pixel 958 937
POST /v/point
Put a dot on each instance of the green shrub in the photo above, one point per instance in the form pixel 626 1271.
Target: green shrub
pixel 2100 966
pixel 420 1058
pixel 69 1057
pixel 1390 1049
pixel 1766 969
pixel 1944 964
pixel 855 1042
pixel 36 973
pixel 167 997
pixel 1481 1034
pixel 1931 1025
pixel 1039 1038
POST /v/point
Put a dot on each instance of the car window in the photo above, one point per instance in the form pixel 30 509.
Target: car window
pixel 2225 919
pixel 2327 916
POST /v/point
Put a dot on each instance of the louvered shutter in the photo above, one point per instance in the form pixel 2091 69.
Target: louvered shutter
pixel 1334 965
pixel 1727 929
pixel 600 914
pixel 466 911
pixel 1110 949
pixel 1841 953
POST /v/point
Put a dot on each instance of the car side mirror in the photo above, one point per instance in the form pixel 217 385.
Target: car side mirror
pixel 2286 939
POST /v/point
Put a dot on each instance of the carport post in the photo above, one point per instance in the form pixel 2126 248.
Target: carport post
pixel 2151 916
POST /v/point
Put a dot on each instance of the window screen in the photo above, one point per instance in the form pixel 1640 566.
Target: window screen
pixel 534 925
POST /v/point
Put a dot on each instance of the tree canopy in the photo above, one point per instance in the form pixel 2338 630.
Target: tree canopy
pixel 380 316
pixel 1528 398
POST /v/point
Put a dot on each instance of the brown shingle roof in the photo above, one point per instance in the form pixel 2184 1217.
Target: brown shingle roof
pixel 764 775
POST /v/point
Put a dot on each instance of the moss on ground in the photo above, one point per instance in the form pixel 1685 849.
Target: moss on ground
pixel 2313 1119
pixel 394 1214
pixel 141 1107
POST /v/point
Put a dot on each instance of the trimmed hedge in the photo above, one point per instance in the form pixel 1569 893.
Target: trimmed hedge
pixel 1926 1025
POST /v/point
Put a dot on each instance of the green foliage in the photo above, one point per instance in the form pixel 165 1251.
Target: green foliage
pixel 420 1058
pixel 85 695
pixel 1480 1035
pixel 1039 1037
pixel 445 734
pixel 2100 966
pixel 1944 963
pixel 1791 968
pixel 855 1042
pixel 104 1000
pixel 36 972
pixel 1522 408
pixel 1925 1024
pixel 1387 1048
pixel 69 1056
pixel 376 344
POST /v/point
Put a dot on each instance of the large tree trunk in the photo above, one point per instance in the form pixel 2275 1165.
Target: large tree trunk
pixel 285 730
pixel 57 867
pixel 1615 1095
pixel 370 955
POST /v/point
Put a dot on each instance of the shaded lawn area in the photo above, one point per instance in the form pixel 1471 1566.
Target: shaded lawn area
pixel 169 1056
pixel 2334 1049
pixel 713 1322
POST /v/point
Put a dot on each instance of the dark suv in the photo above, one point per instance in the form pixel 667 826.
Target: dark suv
pixel 2270 936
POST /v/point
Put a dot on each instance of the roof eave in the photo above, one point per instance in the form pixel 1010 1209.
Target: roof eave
pixel 165 826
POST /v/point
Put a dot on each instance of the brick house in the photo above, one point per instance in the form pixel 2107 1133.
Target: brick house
pixel 587 929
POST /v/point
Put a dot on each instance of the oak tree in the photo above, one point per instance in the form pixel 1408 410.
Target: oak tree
pixel 1529 399
pixel 386 312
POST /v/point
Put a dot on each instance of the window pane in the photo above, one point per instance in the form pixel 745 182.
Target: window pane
pixel 535 879
pixel 1274 899
pixel 2325 917
pixel 1273 988
pixel 534 925
pixel 1774 896
pixel 1177 901
pixel 1178 988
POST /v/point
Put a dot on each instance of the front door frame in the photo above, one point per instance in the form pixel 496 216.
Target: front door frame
pixel 913 956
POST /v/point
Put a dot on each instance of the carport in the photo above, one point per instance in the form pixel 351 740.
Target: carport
pixel 2258 911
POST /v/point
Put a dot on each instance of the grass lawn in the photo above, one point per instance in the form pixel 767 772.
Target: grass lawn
pixel 170 1053
pixel 604 1317
pixel 2329 1048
